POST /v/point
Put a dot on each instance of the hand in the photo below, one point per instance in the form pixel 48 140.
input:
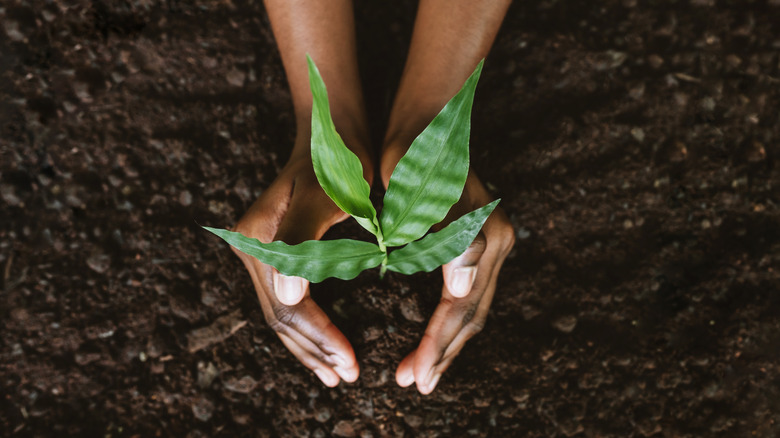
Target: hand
pixel 469 285
pixel 293 209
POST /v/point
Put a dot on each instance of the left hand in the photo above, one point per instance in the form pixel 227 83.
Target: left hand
pixel 469 285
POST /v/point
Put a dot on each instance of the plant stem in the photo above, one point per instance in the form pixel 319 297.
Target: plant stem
pixel 383 268
pixel 380 240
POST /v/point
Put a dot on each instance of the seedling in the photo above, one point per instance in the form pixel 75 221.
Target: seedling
pixel 425 184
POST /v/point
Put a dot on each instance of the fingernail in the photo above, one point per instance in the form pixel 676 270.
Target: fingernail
pixel 289 290
pixel 433 382
pixel 326 378
pixel 462 279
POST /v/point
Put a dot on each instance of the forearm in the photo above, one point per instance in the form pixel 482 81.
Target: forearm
pixel 325 30
pixel 449 39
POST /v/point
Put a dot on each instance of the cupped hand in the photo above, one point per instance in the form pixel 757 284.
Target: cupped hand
pixel 294 209
pixel 469 285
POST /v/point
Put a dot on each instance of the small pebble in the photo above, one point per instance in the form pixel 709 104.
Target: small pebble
pixel 206 374
pixel 638 134
pixel 482 402
pixel 9 196
pixel 209 62
pixel 365 407
pixel 323 414
pixel 242 419
pixel 733 60
pixel 521 396
pixel 99 262
pixel 530 312
pixel 209 298
pixel 185 198
pixel 661 182
pixel 655 61
pixel 12 30
pixel 244 385
pixel 410 311
pixel 236 78
pixel 522 233
pixel 344 429
pixel 413 421
pixel 708 104
pixel 565 323
pixel 637 92
pixel 203 409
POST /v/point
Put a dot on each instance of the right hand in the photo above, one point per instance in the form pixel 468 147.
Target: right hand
pixel 294 209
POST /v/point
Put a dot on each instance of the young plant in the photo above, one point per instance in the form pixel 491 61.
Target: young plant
pixel 425 184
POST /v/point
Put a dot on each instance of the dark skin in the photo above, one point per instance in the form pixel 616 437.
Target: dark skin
pixel 444 50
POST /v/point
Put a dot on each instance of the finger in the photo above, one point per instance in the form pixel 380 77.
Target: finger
pixel 305 324
pixel 323 372
pixel 454 321
pixel 312 331
pixel 460 273
pixel 404 375
pixel 467 294
pixel 310 213
pixel 467 331
pixel 318 335
pixel 303 327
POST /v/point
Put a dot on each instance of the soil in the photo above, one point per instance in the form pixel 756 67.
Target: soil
pixel 634 145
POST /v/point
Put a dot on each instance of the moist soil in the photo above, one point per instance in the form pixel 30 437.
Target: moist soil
pixel 634 145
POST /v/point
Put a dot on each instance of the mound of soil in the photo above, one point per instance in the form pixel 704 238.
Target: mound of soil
pixel 634 145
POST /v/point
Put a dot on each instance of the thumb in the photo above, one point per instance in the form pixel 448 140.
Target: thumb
pixel 460 273
pixel 308 216
pixel 289 290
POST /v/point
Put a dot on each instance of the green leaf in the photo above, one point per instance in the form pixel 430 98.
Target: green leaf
pixel 338 169
pixel 442 246
pixel 314 260
pixel 429 178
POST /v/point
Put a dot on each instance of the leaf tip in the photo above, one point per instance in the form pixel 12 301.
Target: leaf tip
pixel 314 73
pixel 491 206
pixel 310 63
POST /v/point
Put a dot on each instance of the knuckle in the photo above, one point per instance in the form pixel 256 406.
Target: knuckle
pixel 446 301
pixel 473 322
pixel 282 318
pixel 475 326
pixel 469 312
pixel 277 326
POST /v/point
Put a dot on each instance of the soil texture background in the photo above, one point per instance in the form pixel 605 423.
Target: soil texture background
pixel 634 144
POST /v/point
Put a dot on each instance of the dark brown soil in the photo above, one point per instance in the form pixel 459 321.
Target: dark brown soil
pixel 634 145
